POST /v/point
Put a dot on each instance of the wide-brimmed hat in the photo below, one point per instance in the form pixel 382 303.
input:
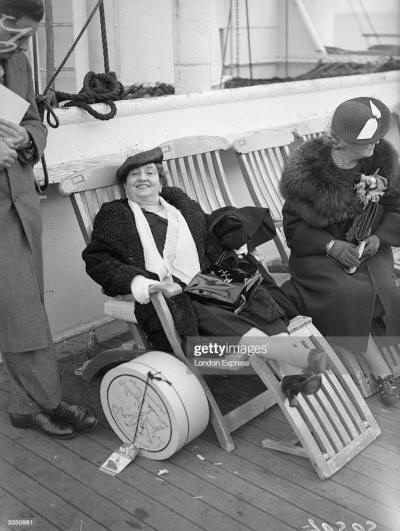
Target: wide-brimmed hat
pixel 154 155
pixel 361 120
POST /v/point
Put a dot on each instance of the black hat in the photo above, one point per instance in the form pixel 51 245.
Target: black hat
pixel 361 120
pixel 233 227
pixel 154 155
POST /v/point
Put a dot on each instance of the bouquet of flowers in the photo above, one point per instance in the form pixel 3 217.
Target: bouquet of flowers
pixel 368 191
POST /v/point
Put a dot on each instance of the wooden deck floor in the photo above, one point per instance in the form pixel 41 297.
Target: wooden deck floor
pixel 57 484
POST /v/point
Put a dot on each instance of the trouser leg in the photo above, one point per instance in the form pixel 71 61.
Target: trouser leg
pixel 35 382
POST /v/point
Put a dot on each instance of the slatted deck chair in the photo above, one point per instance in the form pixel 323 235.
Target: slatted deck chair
pixel 261 157
pixel 87 193
pixel 193 163
pixel 313 128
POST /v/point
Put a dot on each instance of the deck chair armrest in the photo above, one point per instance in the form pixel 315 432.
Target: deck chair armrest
pixel 298 322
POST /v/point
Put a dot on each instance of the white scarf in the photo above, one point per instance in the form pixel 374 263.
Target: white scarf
pixel 180 257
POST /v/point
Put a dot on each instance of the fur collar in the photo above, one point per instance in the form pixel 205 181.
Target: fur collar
pixel 322 194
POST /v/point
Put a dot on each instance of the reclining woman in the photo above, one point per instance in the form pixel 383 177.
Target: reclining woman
pixel 327 184
pixel 158 237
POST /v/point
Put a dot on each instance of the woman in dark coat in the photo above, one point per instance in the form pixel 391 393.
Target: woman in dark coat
pixel 321 205
pixel 158 237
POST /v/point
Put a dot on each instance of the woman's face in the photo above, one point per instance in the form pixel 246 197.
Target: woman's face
pixel 359 151
pixel 143 184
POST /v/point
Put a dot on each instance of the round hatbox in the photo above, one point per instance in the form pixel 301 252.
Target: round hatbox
pixel 156 402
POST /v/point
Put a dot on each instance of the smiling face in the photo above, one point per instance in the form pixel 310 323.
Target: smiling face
pixel 15 34
pixel 143 184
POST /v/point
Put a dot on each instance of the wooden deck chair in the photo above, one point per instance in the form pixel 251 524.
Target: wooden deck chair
pixel 313 128
pixel 342 417
pixel 194 164
pixel 88 191
pixel 261 157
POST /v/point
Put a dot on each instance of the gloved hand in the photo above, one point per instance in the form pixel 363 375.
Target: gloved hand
pixel 371 247
pixel 346 253
pixel 140 288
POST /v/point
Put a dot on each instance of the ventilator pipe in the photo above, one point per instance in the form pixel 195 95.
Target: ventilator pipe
pixel 310 27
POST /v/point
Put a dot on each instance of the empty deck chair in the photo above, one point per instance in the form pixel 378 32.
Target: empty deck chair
pixel 332 426
pixel 261 158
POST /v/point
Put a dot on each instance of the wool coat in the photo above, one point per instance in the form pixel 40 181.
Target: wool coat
pixel 115 256
pixel 320 206
pixel 23 322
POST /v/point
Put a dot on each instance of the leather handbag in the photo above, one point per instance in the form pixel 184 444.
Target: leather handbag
pixel 223 285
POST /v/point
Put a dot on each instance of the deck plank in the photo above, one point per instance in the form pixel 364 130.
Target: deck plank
pixel 110 499
pixel 224 505
pixel 301 473
pixel 14 509
pixel 93 507
pixel 253 488
pixel 42 500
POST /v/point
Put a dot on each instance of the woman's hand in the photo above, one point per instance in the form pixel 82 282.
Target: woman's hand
pixel 8 155
pixel 371 247
pixel 16 134
pixel 346 253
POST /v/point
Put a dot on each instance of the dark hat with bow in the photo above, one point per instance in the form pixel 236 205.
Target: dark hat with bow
pixel 361 120
pixel 154 155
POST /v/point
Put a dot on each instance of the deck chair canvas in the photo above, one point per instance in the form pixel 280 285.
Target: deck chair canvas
pixel 332 427
pixel 261 158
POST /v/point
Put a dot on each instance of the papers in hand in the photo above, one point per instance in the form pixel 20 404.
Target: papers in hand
pixel 12 106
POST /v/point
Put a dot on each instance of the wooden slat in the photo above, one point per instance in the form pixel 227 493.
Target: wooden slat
pixel 222 180
pixel 263 140
pixel 193 145
pixel 196 183
pixel 336 401
pixel 324 422
pixel 212 198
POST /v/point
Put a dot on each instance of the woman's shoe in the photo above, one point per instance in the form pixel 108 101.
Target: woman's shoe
pixel 294 384
pixel 388 392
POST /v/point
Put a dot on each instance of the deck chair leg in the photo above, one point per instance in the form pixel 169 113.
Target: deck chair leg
pixel 140 342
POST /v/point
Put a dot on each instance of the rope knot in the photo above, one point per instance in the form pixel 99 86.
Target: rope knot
pixel 97 88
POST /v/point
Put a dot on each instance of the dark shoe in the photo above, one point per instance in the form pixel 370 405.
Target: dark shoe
pixel 294 384
pixel 388 392
pixel 43 422
pixel 79 416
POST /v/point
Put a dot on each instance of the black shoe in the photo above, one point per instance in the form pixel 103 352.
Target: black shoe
pixel 294 384
pixel 43 422
pixel 79 416
pixel 388 392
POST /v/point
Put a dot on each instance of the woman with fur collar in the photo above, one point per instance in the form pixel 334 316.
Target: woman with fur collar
pixel 318 183
pixel 158 238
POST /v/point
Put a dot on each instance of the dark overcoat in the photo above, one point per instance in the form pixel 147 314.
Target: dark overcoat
pixel 320 206
pixel 23 320
pixel 115 256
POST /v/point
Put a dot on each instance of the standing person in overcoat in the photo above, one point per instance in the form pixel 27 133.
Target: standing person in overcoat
pixel 322 183
pixel 25 341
